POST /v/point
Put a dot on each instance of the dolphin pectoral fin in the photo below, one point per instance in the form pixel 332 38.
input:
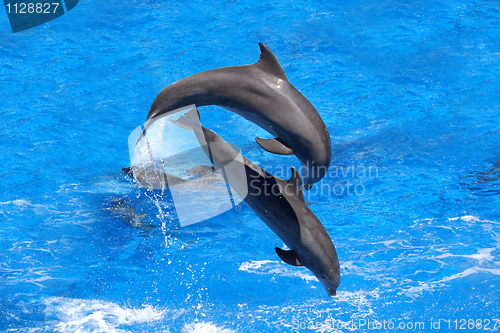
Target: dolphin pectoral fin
pixel 275 146
pixel 290 257
pixel 269 63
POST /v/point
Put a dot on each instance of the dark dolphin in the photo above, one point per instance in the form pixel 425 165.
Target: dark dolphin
pixel 121 209
pixel 261 94
pixel 201 170
pixel 152 179
pixel 279 203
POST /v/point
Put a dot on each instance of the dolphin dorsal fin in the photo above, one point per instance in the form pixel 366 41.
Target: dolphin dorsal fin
pixel 290 257
pixel 189 120
pixel 295 179
pixel 269 63
pixel 296 182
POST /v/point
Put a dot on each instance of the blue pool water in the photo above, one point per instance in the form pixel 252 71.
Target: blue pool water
pixel 408 88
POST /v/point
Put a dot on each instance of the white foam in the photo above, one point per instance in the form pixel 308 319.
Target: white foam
pixel 273 267
pixel 253 265
pixel 204 328
pixel 481 255
pixel 466 218
pixel 79 315
pixel 388 242
pixel 431 285
pixel 417 290
pixel 18 203
pixel 469 271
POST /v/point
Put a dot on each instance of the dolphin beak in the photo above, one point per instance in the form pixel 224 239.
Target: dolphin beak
pixel 332 292
pixel 128 172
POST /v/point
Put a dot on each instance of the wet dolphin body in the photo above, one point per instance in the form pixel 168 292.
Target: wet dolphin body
pixel 201 170
pixel 261 94
pixel 152 179
pixel 279 203
pixel 121 209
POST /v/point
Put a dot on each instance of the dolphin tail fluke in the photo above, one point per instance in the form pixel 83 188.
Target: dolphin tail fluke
pixel 189 120
pixel 275 146
pixel 290 257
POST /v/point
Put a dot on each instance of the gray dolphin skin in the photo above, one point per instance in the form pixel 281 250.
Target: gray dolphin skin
pixel 201 170
pixel 121 209
pixel 279 203
pixel 152 179
pixel 261 94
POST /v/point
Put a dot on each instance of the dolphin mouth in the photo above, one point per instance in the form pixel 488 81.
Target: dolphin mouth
pixel 127 171
pixel 331 292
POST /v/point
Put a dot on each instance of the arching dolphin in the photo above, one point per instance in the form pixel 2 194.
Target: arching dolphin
pixel 279 203
pixel 261 94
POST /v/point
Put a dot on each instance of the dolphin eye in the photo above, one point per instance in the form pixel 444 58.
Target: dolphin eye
pixel 323 276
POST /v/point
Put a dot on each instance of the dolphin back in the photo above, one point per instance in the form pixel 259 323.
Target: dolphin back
pixel 279 203
pixel 262 94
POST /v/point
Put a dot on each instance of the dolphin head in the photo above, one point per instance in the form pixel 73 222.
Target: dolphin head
pixel 320 258
pixel 330 281
pixel 311 245
pixel 318 253
pixel 325 266
pixel 314 166
pixel 128 171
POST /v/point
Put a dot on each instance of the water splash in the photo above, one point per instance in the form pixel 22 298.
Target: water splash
pixel 80 315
